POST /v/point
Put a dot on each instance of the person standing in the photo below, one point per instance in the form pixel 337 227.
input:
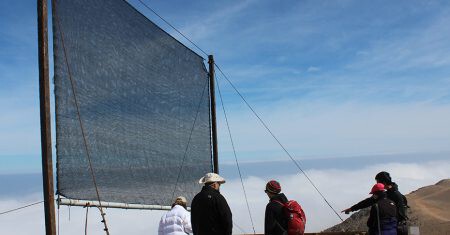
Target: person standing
pixel 177 221
pixel 393 194
pixel 398 198
pixel 210 212
pixel 275 221
pixel 383 213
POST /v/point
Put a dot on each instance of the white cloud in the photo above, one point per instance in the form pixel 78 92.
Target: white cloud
pixel 312 69
pixel 424 48
pixel 341 187
pixel 318 128
pixel 201 29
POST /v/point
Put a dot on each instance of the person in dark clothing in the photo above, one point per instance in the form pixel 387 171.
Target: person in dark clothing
pixel 392 194
pixel 275 222
pixel 210 213
pixel 383 213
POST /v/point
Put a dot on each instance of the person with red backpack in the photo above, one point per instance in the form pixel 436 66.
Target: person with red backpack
pixel 282 217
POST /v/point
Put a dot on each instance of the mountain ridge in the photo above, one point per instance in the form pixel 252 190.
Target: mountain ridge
pixel 429 210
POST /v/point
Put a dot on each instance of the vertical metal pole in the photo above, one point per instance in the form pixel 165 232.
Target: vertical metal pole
pixel 46 140
pixel 213 114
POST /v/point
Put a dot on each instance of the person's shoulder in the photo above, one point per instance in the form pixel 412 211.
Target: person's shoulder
pixel 269 205
pixel 180 211
pixel 273 203
pixel 388 200
pixel 198 195
pixel 283 198
pixel 219 196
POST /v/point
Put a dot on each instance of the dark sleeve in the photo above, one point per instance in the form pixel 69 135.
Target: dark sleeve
pixel 271 226
pixel 194 212
pixel 363 204
pixel 225 215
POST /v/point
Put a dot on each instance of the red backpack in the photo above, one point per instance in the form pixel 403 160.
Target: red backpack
pixel 296 217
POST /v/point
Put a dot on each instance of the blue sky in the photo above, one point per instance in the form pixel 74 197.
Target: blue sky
pixel 333 78
pixel 350 88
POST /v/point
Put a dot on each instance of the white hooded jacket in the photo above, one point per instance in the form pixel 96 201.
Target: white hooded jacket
pixel 175 222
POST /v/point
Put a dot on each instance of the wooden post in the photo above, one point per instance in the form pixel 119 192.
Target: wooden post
pixel 213 114
pixel 46 140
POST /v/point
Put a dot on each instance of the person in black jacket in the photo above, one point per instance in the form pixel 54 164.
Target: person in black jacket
pixel 392 194
pixel 210 213
pixel 275 222
pixel 383 213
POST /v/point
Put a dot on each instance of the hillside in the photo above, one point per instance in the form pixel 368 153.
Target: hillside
pixel 430 210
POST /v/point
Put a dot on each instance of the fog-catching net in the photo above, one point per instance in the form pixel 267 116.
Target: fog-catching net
pixel 143 101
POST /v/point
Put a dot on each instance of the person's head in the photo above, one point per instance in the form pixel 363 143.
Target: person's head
pixel 384 178
pixel 377 190
pixel 212 180
pixel 214 185
pixel 273 188
pixel 181 201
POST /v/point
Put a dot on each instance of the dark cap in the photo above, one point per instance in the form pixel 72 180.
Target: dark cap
pixel 273 187
pixel 383 177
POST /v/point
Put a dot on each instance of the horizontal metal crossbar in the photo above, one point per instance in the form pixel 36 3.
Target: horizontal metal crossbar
pixel 87 203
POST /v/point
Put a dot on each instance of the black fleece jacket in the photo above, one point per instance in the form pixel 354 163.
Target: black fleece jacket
pixel 386 210
pixel 275 222
pixel 392 194
pixel 210 213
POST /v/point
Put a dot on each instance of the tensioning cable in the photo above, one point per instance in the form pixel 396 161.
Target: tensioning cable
pixel 249 106
pixel 19 208
pixel 235 155
pixel 277 140
pixel 189 140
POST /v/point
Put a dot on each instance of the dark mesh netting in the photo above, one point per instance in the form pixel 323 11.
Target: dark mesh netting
pixel 139 93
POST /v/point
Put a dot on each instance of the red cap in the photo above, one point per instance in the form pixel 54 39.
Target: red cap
pixel 377 188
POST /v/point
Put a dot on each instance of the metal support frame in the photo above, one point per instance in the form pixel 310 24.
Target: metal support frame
pixel 213 114
pixel 46 140
pixel 87 203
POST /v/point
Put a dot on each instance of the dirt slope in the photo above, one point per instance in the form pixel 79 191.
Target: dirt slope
pixel 430 210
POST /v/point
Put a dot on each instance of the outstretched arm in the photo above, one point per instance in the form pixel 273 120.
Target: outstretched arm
pixel 360 205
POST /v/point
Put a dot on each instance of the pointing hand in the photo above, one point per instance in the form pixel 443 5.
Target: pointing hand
pixel 347 211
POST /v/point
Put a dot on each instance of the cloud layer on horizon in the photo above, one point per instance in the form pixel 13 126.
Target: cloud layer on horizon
pixel 342 189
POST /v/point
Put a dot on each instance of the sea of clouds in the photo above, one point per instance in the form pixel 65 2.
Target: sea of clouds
pixel 342 188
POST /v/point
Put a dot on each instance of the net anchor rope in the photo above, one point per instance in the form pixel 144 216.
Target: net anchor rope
pixel 235 155
pixel 80 121
pixel 173 27
pixel 59 218
pixel 20 208
pixel 249 106
pixel 278 141
pixel 86 220
pixel 189 140
pixel 239 227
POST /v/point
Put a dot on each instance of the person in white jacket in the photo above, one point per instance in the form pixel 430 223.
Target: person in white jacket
pixel 177 221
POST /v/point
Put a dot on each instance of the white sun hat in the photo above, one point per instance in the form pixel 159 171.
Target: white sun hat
pixel 210 178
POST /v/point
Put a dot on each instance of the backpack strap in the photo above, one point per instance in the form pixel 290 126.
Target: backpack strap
pixel 378 218
pixel 279 203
